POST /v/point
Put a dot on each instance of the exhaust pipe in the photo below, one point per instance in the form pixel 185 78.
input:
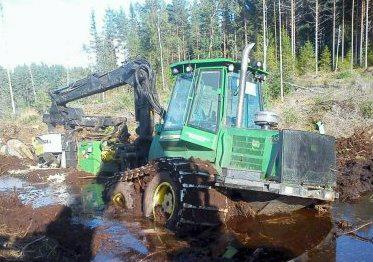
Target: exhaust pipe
pixel 244 64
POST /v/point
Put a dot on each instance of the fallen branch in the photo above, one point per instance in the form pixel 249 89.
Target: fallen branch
pixel 28 228
pixel 357 228
pixel 365 239
pixel 304 88
pixel 155 253
pixel 87 177
pixel 3 171
pixel 32 242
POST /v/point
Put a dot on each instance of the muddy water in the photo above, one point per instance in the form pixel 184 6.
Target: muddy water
pixel 38 194
pixel 352 248
pixel 305 234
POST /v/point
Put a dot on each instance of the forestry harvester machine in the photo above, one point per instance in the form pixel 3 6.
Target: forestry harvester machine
pixel 214 151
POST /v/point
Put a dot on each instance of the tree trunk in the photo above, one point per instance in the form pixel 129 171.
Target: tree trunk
pixel 245 26
pixel 67 76
pixel 11 91
pixel 161 51
pixel 178 45
pixel 211 36
pixel 224 45
pixel 292 10
pixel 280 45
pixel 352 36
pixel 337 52
pixel 317 37
pixel 235 46
pixel 198 48
pixel 333 48
pixel 264 36
pixel 366 33
pixel 275 23
pixel 356 34
pixel 32 82
pixel 361 33
pixel 184 48
pixel 343 32
pixel 178 51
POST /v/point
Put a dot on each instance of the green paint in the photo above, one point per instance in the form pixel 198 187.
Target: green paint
pixel 249 149
pixel 89 159
pixel 213 62
pixel 89 156
pixel 227 147
pixel 207 129
pixel 92 197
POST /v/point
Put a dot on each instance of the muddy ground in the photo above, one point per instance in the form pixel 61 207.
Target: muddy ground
pixel 58 215
pixel 355 164
pixel 36 228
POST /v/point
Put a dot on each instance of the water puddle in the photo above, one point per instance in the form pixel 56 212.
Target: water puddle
pixel 304 234
pixel 38 195
pixel 353 248
pixel 115 238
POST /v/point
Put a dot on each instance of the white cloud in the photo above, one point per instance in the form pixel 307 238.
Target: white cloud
pixel 49 31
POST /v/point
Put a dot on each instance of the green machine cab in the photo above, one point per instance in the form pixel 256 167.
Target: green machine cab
pixel 202 122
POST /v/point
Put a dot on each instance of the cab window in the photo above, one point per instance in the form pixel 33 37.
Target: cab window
pixel 177 108
pixel 251 101
pixel 205 109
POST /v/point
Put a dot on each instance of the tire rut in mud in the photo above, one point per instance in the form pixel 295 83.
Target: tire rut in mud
pixel 199 203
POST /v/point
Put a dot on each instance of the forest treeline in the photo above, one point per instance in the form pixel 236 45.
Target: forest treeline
pixel 293 38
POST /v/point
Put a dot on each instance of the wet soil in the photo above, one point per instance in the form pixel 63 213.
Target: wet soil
pixel 12 163
pixel 84 229
pixel 355 165
pixel 59 214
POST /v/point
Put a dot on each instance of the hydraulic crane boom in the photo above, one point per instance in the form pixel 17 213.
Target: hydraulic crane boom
pixel 137 74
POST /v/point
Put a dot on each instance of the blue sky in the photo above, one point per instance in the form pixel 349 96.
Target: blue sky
pixel 49 31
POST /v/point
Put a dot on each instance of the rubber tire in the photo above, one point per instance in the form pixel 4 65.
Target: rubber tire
pixel 125 188
pixel 148 197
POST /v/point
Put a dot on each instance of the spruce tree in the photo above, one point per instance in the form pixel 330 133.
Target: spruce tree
pixel 325 60
pixel 306 58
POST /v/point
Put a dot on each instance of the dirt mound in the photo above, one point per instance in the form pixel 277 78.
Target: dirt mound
pixel 355 164
pixel 20 218
pixel 45 233
pixel 12 163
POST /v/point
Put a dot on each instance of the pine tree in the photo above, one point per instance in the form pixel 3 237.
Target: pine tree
pixel 133 34
pixel 178 14
pixel 346 63
pixel 306 58
pixel 288 60
pixel 272 84
pixel 325 60
pixel 109 50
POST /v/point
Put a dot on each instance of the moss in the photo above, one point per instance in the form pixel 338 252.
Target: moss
pixel 366 109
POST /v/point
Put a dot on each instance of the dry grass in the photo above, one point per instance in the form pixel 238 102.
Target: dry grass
pixel 342 106
pixel 24 126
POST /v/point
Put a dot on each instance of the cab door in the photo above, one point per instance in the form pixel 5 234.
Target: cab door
pixel 202 126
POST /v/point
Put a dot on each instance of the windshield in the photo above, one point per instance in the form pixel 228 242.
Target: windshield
pixel 177 108
pixel 204 113
pixel 251 101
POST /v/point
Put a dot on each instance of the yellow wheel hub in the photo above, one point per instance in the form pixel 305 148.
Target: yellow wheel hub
pixel 107 155
pixel 118 199
pixel 164 197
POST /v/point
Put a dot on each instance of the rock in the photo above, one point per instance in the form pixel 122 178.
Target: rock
pixel 3 150
pixel 18 149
